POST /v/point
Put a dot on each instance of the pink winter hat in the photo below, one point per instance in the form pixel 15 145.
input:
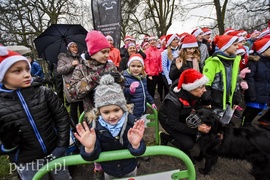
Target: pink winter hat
pixel 95 42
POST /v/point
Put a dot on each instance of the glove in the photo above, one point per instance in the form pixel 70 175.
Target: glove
pixel 56 153
pixel 244 71
pixel 154 106
pixel 133 87
pixel 244 85
pixel 11 135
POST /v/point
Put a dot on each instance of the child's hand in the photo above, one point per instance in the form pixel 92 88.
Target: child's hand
pixel 135 134
pixel 86 136
pixel 178 63
pixel 133 87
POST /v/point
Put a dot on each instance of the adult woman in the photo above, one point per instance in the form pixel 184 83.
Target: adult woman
pixel 178 104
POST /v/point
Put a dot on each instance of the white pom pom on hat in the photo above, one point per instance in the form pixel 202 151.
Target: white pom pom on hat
pixel 190 79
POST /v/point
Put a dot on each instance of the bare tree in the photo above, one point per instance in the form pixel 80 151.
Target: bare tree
pixel 23 20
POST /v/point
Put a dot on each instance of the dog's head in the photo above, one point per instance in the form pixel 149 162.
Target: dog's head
pixel 210 118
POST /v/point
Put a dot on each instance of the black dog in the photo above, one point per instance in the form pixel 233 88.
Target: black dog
pixel 245 143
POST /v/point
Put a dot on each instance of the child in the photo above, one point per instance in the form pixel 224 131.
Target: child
pixel 222 69
pixel 85 77
pixel 189 57
pixel 135 86
pixel 114 129
pixel 257 94
pixel 34 124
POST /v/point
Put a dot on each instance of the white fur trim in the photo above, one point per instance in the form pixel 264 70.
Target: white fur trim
pixel 197 32
pixel 189 45
pixel 8 62
pixel 175 89
pixel 3 51
pixel 198 83
pixel 229 31
pixel 170 40
pixel 240 52
pixel 241 38
pixel 226 46
pixel 135 58
pixel 264 47
pixel 207 32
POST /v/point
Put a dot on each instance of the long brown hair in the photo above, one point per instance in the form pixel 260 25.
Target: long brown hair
pixel 184 56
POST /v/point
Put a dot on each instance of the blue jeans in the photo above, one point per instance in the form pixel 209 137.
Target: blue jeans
pixel 28 170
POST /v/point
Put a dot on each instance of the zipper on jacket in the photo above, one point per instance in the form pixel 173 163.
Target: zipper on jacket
pixel 144 95
pixel 32 122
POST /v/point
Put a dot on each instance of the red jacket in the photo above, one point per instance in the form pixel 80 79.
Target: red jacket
pixel 152 61
pixel 114 55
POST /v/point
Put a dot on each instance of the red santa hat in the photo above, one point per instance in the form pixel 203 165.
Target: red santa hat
pixel 206 31
pixel 96 41
pixel 182 35
pixel 264 33
pixel 189 41
pixel 261 45
pixel 241 38
pixel 225 41
pixel 109 37
pixel 197 32
pixel 145 44
pixel 170 38
pixel 152 38
pixel 190 79
pixel 127 38
pixel 134 57
pixel 241 50
pixel 7 59
pixel 228 30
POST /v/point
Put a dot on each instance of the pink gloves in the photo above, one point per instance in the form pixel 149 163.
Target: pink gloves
pixel 244 85
pixel 244 71
pixel 133 87
pixel 154 106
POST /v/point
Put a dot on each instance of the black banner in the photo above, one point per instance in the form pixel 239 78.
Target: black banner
pixel 107 18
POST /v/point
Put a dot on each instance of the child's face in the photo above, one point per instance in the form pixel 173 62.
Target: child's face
pixel 136 68
pixel 111 114
pixel 232 49
pixel 18 76
pixel 102 55
pixel 190 51
pixel 131 50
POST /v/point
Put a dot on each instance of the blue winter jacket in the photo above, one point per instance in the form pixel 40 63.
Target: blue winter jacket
pixel 141 95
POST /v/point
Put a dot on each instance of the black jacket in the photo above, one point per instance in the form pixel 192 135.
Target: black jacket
pixel 43 120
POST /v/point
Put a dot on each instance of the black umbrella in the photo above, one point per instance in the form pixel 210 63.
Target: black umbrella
pixel 55 38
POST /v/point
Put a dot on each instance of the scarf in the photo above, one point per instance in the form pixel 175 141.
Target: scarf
pixel 195 63
pixel 114 129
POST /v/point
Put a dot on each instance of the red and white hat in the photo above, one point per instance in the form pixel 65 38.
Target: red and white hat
pixel 109 37
pixel 228 30
pixel 197 32
pixel 225 41
pixel 190 79
pixel 127 38
pixel 206 31
pixel 134 57
pixel 7 59
pixel 144 44
pixel 182 35
pixel 264 33
pixel 241 50
pixel 152 38
pixel 96 41
pixel 261 45
pixel 170 38
pixel 189 41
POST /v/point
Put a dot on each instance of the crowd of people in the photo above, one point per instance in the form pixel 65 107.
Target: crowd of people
pixel 182 72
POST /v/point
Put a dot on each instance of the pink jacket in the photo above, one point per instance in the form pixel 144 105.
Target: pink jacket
pixel 152 61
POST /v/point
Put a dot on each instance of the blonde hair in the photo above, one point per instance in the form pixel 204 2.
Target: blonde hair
pixel 169 53
pixel 184 56
pixel 94 113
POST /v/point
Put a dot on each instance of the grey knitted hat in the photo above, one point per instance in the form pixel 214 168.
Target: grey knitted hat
pixel 109 93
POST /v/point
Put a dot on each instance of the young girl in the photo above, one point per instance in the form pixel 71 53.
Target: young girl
pixel 114 129
pixel 34 124
pixel 257 94
pixel 135 86
pixel 189 57
pixel 167 56
pixel 85 77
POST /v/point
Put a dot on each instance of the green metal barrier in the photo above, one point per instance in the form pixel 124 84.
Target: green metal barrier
pixel 189 173
pixel 153 122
